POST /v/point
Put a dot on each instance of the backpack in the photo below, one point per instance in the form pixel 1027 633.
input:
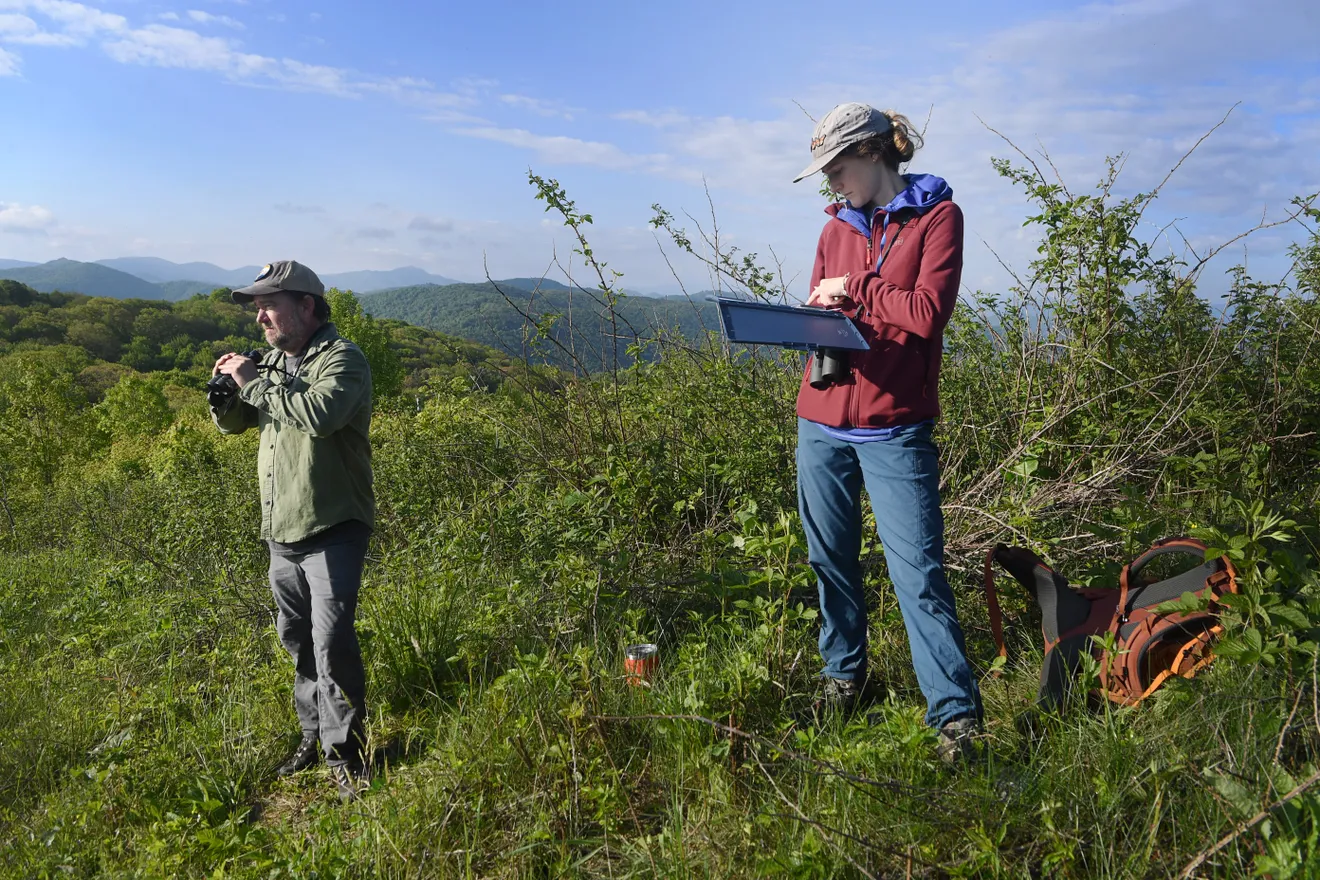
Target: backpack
pixel 1149 646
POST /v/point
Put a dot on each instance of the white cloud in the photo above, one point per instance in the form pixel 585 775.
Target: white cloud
pixel 201 17
pixel 23 29
pixel 164 46
pixel 1168 72
pixel 541 107
pixel 76 18
pixel 315 78
pixel 558 149
pixel 8 63
pixel 664 119
pixel 29 219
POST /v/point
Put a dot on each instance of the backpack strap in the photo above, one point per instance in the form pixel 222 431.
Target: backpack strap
pixel 992 601
pixel 1131 571
pixel 1189 546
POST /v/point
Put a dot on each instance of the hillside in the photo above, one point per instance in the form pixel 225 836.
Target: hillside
pixel 157 271
pixel 481 313
pixel 185 337
pixel 71 276
pixel 154 278
pixel 366 280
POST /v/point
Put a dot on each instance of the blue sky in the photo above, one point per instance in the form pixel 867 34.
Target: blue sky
pixel 355 135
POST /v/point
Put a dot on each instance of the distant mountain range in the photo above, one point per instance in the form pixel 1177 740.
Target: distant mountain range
pixel 481 313
pixel 154 278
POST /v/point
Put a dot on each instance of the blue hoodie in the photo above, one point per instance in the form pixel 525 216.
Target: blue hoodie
pixel 923 192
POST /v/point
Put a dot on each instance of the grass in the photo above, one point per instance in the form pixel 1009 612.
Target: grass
pixel 141 727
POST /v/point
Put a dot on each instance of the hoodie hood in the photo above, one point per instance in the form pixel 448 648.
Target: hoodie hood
pixel 923 192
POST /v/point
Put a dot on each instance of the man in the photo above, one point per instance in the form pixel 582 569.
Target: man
pixel 310 398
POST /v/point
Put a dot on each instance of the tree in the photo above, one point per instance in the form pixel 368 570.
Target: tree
pixel 370 336
pixel 135 407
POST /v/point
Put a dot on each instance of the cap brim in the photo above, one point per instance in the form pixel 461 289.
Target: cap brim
pixel 245 294
pixel 820 163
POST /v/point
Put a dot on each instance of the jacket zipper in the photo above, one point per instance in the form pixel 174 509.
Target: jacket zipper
pixel 854 408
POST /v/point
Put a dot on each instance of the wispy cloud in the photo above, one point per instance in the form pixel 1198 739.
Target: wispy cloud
pixel 375 233
pixel 663 119
pixel 31 219
pixel 164 46
pixel 541 107
pixel 22 30
pixel 201 17
pixel 559 149
pixel 172 46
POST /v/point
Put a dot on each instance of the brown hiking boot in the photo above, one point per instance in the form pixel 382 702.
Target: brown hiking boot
pixel 956 741
pixel 835 696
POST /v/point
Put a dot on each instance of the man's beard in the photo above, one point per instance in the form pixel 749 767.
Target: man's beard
pixel 284 340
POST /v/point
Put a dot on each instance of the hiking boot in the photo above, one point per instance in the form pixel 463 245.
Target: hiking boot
pixel 956 741
pixel 835 696
pixel 351 779
pixel 303 757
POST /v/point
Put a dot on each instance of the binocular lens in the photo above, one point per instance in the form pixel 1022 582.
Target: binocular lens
pixel 828 366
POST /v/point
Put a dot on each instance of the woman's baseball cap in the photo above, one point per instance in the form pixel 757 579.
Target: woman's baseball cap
pixel 845 125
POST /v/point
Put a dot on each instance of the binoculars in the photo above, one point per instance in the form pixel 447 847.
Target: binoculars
pixel 221 389
pixel 828 366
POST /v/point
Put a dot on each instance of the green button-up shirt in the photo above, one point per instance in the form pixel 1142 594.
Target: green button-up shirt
pixel 315 460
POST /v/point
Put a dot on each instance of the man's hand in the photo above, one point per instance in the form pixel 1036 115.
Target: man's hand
pixel 241 369
pixel 831 294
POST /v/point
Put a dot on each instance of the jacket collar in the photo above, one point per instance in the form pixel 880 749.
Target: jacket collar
pixel 324 335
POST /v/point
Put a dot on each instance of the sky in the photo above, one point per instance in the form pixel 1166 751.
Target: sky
pixel 384 134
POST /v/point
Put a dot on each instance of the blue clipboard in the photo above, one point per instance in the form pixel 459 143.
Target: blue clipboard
pixel 797 327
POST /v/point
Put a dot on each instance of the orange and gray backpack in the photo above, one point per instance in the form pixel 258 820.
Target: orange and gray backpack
pixel 1148 646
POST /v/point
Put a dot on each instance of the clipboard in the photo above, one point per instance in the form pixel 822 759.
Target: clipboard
pixel 798 327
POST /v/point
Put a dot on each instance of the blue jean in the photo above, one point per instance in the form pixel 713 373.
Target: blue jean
pixel 901 476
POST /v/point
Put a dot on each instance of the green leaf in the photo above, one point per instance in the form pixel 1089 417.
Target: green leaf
pixel 1291 615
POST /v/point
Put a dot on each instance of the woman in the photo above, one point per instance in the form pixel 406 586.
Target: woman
pixel 890 257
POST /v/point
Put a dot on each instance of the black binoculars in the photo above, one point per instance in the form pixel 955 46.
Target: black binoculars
pixel 828 366
pixel 223 387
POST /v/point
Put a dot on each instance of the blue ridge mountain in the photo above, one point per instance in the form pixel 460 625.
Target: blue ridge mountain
pixel 480 312
pixel 154 278
pixel 157 271
pixel 93 279
pixel 365 280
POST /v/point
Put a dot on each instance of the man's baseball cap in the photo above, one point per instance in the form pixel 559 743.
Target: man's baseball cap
pixel 845 125
pixel 281 275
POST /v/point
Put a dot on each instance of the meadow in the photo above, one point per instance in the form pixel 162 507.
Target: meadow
pixel 531 527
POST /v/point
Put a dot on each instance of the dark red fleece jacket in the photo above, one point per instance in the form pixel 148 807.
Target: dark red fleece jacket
pixel 901 312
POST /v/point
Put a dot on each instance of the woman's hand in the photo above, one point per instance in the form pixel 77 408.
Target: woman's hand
pixel 831 293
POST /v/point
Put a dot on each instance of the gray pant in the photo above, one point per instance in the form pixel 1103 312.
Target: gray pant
pixel 315 584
